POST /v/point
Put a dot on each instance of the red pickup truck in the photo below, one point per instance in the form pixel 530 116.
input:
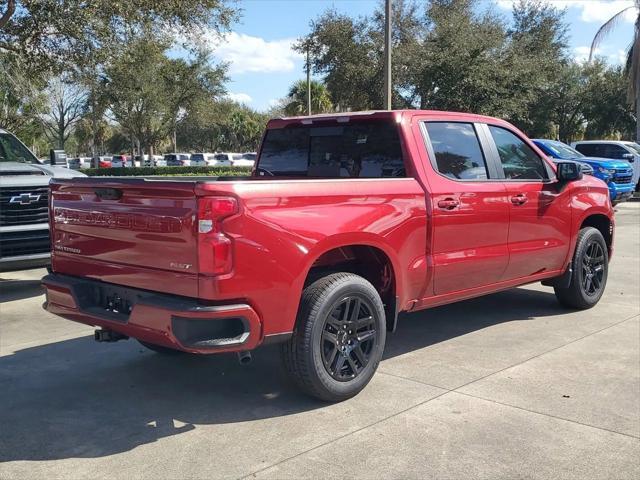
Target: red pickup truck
pixel 347 220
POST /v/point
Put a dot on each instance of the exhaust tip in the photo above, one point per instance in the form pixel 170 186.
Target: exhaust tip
pixel 244 358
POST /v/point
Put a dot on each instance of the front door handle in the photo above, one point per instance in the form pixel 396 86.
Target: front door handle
pixel 448 203
pixel 519 199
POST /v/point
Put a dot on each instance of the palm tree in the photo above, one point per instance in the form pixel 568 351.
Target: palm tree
pixel 633 56
pixel 296 102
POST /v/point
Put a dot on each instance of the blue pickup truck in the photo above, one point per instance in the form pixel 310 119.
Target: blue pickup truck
pixel 617 174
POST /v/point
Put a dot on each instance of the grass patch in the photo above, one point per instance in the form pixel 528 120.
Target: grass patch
pixel 168 172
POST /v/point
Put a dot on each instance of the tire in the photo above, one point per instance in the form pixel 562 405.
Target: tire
pixel 590 266
pixel 160 349
pixel 339 337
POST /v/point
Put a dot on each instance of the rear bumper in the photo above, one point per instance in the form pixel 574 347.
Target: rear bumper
pixel 171 321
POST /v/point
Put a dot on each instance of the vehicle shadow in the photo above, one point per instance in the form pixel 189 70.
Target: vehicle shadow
pixel 11 290
pixel 79 399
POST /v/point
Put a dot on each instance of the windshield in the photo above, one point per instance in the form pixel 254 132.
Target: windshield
pixel 12 150
pixel 359 149
pixel 560 150
pixel 633 146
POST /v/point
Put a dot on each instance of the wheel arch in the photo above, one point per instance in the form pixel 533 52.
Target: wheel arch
pixel 366 257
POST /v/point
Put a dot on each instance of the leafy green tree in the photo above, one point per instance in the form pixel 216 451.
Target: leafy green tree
pixel 296 102
pixel 348 53
pixel 606 109
pixel 21 96
pixel 633 56
pixel 61 33
pixel 146 90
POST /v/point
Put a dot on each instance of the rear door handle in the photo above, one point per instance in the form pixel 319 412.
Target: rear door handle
pixel 519 199
pixel 448 203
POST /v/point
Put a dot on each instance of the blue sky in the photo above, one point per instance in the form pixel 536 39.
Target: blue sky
pixel 262 64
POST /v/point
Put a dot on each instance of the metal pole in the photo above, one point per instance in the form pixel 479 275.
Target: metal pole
pixel 387 55
pixel 308 83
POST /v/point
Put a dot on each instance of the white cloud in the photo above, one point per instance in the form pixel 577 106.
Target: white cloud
pixel 246 53
pixel 239 97
pixel 613 56
pixel 591 10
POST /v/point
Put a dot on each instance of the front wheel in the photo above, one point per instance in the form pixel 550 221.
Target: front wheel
pixel 339 337
pixel 590 266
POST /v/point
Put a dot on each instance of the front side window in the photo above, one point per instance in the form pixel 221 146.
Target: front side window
pixel 612 150
pixel 359 149
pixel 518 160
pixel 457 150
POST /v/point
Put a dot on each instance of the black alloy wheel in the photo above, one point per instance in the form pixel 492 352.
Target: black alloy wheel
pixel 349 336
pixel 593 269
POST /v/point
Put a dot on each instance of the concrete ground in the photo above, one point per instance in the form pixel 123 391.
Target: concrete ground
pixel 506 386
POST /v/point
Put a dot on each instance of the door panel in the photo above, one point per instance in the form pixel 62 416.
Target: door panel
pixel 540 214
pixel 470 213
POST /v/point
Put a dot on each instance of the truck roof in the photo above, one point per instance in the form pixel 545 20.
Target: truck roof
pixel 380 114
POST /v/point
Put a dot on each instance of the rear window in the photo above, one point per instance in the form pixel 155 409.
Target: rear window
pixel 249 156
pixel 197 156
pixel 221 157
pixel 362 149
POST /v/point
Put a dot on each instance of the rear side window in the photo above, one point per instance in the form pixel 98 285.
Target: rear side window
pixel 359 149
pixel 457 150
pixel 589 149
pixel 519 161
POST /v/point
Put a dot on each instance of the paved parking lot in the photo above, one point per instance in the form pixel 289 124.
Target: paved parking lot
pixel 506 386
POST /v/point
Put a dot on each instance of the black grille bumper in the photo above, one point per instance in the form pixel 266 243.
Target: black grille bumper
pixel 29 242
pixel 23 205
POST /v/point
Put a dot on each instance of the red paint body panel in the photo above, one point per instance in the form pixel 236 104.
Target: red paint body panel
pixel 146 238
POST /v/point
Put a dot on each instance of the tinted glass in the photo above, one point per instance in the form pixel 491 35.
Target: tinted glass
pixel 588 149
pixel 221 157
pixel 197 157
pixel 249 156
pixel 457 150
pixel 359 149
pixel 519 161
pixel 613 151
pixel 11 150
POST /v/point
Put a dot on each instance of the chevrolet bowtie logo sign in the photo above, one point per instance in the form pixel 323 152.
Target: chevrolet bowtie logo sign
pixel 25 198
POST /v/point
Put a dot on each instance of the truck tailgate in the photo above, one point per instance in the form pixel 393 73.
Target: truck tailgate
pixel 127 231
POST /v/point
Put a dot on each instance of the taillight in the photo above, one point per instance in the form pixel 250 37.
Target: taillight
pixel 215 249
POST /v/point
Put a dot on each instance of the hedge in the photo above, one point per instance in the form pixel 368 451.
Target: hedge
pixel 168 171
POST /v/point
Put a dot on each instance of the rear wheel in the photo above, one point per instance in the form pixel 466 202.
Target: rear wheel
pixel 161 349
pixel 590 266
pixel 339 337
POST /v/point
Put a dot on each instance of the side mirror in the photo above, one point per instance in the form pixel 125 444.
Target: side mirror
pixel 628 156
pixel 568 172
